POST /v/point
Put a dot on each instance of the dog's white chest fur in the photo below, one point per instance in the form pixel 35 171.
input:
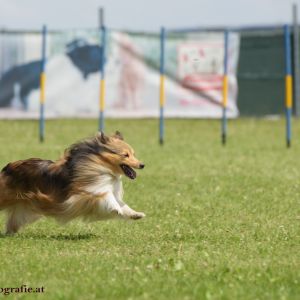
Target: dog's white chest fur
pixel 112 203
pixel 106 184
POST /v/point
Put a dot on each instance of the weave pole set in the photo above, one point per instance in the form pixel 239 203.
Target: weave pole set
pixel 288 85
pixel 162 94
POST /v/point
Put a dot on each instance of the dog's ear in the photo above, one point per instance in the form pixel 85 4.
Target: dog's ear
pixel 119 135
pixel 102 137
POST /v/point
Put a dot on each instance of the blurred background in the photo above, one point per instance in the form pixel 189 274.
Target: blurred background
pixel 194 56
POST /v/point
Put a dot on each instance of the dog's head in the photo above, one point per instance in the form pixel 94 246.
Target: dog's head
pixel 119 156
pixel 110 152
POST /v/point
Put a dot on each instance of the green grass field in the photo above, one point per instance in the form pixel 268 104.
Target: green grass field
pixel 222 223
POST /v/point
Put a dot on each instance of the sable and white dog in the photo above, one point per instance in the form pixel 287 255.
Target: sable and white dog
pixel 85 182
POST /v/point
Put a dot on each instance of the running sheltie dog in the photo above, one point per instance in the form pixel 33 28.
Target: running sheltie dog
pixel 85 182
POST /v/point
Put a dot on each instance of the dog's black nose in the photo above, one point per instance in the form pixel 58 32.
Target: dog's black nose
pixel 142 166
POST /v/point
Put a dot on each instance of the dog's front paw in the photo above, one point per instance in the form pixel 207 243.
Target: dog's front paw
pixel 137 216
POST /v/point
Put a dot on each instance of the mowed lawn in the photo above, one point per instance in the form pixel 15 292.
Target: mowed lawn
pixel 222 222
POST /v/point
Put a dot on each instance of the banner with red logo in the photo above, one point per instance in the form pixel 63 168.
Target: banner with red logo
pixel 193 86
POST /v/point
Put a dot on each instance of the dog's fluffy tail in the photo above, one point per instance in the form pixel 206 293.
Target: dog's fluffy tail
pixel 41 203
pixel 35 200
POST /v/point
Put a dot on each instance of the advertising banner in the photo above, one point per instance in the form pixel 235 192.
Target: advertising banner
pixel 194 70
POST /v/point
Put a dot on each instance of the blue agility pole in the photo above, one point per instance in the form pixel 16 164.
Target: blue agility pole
pixel 288 85
pixel 225 89
pixel 162 96
pixel 102 70
pixel 42 86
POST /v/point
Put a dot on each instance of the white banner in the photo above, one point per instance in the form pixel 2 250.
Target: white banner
pixel 194 70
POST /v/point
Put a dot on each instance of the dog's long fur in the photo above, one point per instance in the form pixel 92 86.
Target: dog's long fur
pixel 85 182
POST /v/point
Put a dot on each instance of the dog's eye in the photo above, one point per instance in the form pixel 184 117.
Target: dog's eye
pixel 126 155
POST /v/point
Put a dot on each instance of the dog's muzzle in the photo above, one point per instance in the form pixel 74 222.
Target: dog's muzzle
pixel 129 172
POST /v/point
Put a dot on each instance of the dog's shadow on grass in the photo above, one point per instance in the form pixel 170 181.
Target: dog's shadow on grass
pixel 56 237
pixel 71 237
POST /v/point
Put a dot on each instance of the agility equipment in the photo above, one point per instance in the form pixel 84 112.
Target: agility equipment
pixel 42 86
pixel 225 89
pixel 288 86
pixel 102 69
pixel 162 85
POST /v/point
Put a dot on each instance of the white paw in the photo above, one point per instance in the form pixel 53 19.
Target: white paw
pixel 137 215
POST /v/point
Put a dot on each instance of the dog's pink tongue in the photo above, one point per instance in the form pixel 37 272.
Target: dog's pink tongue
pixel 131 174
pixel 134 174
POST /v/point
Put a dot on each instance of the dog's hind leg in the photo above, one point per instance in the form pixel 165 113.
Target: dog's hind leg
pixel 19 216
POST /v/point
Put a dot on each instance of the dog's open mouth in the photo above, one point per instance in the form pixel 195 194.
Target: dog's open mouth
pixel 129 172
